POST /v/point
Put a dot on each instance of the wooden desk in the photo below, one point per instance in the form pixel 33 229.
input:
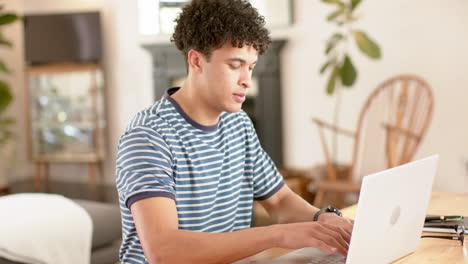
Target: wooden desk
pixel 430 251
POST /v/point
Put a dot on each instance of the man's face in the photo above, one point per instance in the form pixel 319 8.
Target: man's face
pixel 226 77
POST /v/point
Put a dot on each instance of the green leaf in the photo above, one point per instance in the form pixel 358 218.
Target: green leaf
pixel 367 45
pixel 5 96
pixel 354 4
pixel 332 80
pixel 8 18
pixel 5 135
pixel 330 47
pixel 4 68
pixel 4 42
pixel 332 16
pixel 336 36
pixel 348 73
pixel 331 43
pixel 324 67
pixel 7 121
pixel 340 23
pixel 334 2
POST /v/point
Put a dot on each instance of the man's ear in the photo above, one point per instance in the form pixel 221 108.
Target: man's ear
pixel 195 60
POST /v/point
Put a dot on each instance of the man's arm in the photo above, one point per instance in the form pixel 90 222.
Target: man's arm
pixel 157 226
pixel 287 207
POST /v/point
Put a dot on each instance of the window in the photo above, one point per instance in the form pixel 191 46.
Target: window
pixel 156 17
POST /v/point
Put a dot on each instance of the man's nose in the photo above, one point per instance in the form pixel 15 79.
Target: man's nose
pixel 246 79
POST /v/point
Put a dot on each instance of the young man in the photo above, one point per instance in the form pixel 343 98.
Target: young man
pixel 190 166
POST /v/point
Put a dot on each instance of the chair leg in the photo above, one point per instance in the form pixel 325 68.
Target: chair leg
pixel 37 176
pixel 339 203
pixel 92 175
pixel 319 198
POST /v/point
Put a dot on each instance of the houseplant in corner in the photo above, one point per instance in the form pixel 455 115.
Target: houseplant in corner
pixel 6 98
pixel 339 66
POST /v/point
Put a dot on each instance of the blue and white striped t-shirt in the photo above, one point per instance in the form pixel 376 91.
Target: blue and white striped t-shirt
pixel 212 172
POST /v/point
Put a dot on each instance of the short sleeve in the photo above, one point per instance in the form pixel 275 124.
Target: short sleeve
pixel 143 166
pixel 266 178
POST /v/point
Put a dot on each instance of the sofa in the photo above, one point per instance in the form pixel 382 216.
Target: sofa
pixel 106 234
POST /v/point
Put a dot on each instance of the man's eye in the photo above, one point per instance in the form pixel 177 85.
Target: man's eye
pixel 234 67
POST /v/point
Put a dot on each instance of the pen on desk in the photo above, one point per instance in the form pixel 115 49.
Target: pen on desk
pixel 444 218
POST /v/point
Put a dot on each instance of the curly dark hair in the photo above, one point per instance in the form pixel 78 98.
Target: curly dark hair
pixel 206 25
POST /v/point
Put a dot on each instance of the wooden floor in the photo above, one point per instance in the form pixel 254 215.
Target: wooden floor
pixel 102 193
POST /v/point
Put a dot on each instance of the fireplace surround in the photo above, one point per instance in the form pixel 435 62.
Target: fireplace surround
pixel 264 107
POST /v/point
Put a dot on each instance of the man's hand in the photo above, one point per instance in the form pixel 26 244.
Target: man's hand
pixel 327 237
pixel 335 220
pixel 330 233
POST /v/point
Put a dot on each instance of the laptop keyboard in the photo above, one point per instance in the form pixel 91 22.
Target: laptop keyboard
pixel 328 259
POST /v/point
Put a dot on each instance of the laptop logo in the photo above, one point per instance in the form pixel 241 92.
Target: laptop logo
pixel 395 215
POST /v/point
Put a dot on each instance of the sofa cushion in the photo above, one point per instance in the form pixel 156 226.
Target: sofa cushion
pixel 106 221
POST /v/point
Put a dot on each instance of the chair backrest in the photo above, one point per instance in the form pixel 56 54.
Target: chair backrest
pixel 391 124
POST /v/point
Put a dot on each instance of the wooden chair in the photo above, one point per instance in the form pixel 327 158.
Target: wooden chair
pixel 390 128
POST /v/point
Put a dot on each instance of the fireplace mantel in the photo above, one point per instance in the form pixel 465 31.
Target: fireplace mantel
pixel 168 65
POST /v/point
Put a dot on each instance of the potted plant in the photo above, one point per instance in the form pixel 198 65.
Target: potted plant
pixel 339 66
pixel 6 98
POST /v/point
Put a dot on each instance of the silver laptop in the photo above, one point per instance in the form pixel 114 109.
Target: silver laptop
pixel 389 217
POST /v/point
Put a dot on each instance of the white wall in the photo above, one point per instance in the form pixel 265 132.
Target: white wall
pixel 424 37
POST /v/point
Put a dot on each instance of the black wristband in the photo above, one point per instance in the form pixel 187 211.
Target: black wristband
pixel 328 209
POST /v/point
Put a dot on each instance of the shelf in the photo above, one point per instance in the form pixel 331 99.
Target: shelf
pixel 61 68
pixel 66 112
pixel 69 158
pixel 79 125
